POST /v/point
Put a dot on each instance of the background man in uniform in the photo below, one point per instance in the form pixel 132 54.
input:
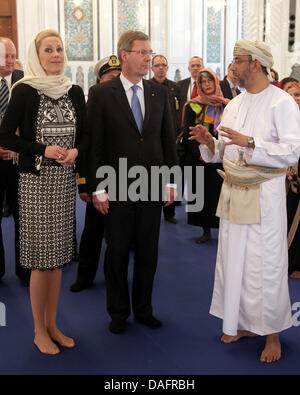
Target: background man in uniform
pixel 106 69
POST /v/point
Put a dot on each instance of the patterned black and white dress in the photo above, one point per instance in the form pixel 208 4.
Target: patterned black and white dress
pixel 47 201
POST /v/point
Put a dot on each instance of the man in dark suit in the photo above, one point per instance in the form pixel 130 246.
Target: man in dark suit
pixel 8 166
pixel 160 68
pixel 229 85
pixel 130 120
pixel 188 88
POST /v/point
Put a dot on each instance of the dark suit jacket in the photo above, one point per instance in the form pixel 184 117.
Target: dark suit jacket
pixel 174 100
pixel 114 133
pixel 16 76
pixel 184 87
pixel 226 89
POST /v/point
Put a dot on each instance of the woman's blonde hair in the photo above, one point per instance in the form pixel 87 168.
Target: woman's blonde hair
pixel 44 34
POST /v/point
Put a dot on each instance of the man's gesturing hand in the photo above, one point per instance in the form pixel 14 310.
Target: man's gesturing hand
pixel 234 136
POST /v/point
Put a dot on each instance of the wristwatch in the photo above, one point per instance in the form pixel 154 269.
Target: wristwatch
pixel 251 143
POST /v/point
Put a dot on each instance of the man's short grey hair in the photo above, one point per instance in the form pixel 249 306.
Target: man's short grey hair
pixel 196 57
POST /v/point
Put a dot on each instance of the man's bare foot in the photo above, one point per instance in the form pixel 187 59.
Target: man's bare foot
pixel 272 350
pixel 60 338
pixel 231 339
pixel 295 274
pixel 45 344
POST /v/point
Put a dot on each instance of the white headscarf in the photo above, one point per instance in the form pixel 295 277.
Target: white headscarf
pixel 258 50
pixel 53 86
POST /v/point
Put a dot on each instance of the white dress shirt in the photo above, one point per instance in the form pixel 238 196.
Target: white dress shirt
pixel 127 85
pixel 8 80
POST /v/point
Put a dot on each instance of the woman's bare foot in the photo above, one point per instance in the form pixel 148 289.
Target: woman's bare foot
pixel 295 274
pixel 231 339
pixel 45 344
pixel 60 338
pixel 272 350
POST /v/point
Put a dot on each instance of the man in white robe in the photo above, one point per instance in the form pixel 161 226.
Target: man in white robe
pixel 251 279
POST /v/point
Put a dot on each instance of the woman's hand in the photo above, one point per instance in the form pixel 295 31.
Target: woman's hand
pixel 55 152
pixel 5 154
pixel 70 157
pixel 234 137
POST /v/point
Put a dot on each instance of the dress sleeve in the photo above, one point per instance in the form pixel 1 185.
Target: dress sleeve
pixel 14 119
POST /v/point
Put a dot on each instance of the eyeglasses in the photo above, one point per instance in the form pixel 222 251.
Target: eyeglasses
pixel 143 52
pixel 160 65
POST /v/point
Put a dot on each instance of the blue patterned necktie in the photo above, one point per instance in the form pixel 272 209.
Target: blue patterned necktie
pixel 136 108
pixel 3 96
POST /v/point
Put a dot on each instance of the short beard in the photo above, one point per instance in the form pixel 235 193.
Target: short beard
pixel 241 83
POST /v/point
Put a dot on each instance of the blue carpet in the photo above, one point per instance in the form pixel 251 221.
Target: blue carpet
pixel 187 344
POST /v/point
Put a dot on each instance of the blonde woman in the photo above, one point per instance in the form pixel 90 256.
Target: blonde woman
pixel 50 114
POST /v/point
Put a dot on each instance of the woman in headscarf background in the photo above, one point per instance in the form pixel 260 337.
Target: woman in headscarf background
pixel 205 109
pixel 293 202
pixel 49 112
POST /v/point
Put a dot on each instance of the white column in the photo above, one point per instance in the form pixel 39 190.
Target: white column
pixel 255 19
pixel 49 15
pixel 32 17
pixel 105 29
pixel 231 28
pixel 277 17
pixel 179 36
pixel 196 31
pixel 159 26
